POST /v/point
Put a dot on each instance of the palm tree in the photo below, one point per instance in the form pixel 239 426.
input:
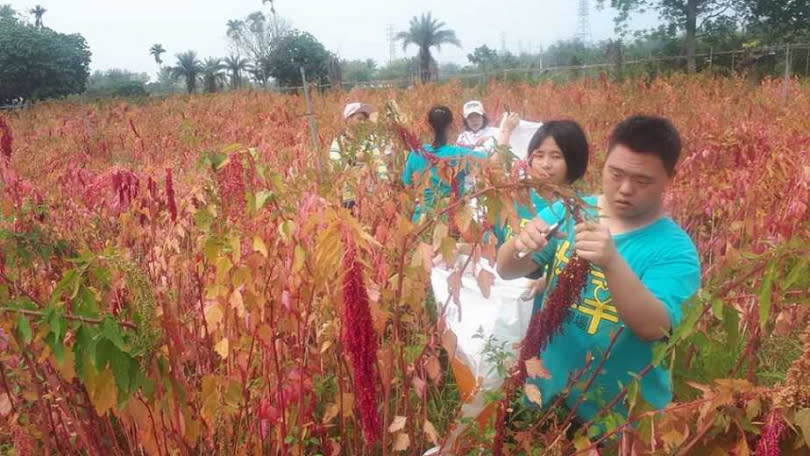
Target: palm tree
pixel 213 74
pixel 426 32
pixel 236 65
pixel 38 11
pixel 157 50
pixel 234 28
pixel 189 68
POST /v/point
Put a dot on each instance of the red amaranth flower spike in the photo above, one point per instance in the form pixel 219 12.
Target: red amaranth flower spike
pixel 772 433
pixel 170 195
pixel 542 327
pixel 360 340
pixel 6 139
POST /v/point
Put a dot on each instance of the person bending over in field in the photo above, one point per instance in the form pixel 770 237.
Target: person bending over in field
pixel 418 166
pixel 558 155
pixel 357 145
pixel 643 267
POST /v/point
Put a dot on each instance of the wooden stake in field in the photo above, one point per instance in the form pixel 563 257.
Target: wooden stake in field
pixel 786 83
pixel 313 127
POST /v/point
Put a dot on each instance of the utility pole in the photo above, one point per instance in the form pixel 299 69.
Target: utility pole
pixel 584 21
pixel 392 48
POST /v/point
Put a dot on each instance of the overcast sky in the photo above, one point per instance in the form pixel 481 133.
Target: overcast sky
pixel 120 32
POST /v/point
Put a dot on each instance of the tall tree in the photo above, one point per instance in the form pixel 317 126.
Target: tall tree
pixel 294 50
pixel 687 15
pixel 236 66
pixel 253 38
pixel 38 11
pixel 7 13
pixel 188 68
pixel 213 74
pixel 38 63
pixel 779 21
pixel 425 32
pixel 156 51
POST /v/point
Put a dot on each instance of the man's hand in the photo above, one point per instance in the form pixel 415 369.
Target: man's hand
pixel 593 242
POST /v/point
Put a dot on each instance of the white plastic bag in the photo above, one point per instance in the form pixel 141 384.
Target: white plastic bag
pixel 522 136
pixel 504 315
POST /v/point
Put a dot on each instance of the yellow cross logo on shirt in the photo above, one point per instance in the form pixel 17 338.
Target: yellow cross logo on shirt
pixel 598 311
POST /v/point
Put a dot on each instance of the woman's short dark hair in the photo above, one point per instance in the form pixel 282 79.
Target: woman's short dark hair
pixel 440 117
pixel 483 125
pixel 572 143
pixel 649 135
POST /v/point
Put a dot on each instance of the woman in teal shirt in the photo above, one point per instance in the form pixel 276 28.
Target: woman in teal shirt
pixel 558 154
pixel 419 165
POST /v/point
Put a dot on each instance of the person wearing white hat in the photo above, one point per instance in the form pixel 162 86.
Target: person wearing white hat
pixel 478 134
pixel 354 144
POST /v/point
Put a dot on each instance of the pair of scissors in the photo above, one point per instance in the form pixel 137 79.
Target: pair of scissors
pixel 551 232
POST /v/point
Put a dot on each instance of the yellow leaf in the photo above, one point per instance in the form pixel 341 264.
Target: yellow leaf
pixel 222 348
pixel 298 261
pixel 213 315
pixel 237 304
pixel 802 420
pixel 402 442
pixel 101 388
pixel 581 442
pixel 348 403
pixel 236 248
pixel 533 393
pixel 5 405
pixel 332 411
pixel 67 367
pixel 397 424
pixel 210 400
pixel 433 369
pixel 259 246
pixel 535 368
pixel 431 433
pixel 464 218
pixel 742 448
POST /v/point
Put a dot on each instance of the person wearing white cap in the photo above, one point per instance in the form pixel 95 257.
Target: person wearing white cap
pixel 356 143
pixel 478 134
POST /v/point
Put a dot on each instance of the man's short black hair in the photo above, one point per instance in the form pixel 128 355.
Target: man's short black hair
pixel 649 135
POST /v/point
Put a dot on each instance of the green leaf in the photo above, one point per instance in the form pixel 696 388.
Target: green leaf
pixel 717 308
pixel 84 350
pixel 24 328
pixel 113 332
pixel 57 347
pixel 731 325
pixel 105 352
pixel 799 270
pixel 765 297
pixel 69 282
pixel 85 303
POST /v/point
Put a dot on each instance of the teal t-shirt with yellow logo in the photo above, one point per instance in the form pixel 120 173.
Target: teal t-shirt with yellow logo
pixel 503 232
pixel 666 261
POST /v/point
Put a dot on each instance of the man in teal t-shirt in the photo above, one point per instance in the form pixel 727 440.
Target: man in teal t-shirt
pixel 417 164
pixel 643 268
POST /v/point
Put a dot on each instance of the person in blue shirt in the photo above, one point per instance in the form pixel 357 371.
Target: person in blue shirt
pixel 421 173
pixel 557 154
pixel 643 268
